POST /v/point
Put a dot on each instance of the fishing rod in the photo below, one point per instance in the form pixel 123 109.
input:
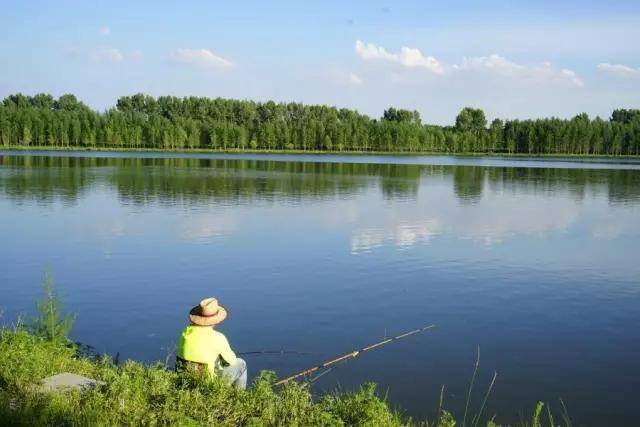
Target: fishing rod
pixel 352 354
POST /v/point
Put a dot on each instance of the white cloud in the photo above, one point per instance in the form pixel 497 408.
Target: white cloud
pixel 354 79
pixel 407 57
pixel 105 31
pixel 572 77
pixel 412 57
pixel 200 58
pixel 501 66
pixel 619 69
pixel 371 51
pixel 493 64
pixel 106 55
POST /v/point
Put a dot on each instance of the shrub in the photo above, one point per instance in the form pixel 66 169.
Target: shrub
pixel 50 323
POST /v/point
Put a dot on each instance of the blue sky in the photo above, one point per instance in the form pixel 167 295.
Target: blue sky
pixel 511 58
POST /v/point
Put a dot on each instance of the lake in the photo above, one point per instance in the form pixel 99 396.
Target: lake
pixel 536 262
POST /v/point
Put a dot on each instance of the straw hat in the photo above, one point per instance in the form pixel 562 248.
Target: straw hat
pixel 207 313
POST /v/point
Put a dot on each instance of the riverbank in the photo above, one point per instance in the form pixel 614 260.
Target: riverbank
pixel 135 394
pixel 22 148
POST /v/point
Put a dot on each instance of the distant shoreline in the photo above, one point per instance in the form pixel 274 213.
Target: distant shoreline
pixel 232 125
pixel 549 156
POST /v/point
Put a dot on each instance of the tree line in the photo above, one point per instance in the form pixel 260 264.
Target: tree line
pixel 167 122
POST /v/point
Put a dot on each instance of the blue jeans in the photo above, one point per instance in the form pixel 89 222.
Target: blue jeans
pixel 236 374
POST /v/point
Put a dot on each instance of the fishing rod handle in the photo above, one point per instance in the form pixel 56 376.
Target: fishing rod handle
pixel 298 375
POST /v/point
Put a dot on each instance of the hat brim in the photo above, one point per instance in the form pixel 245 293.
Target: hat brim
pixel 197 319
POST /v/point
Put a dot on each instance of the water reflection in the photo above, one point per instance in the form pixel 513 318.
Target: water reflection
pixel 468 183
pixel 401 235
pixel 478 203
pixel 141 181
pixel 538 266
pixel 202 228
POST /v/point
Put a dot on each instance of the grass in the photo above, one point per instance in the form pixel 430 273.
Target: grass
pixel 325 152
pixel 137 394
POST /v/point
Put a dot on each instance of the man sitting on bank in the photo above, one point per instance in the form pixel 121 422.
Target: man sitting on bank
pixel 205 348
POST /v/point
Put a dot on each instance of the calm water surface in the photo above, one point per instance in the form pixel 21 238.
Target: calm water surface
pixel 536 262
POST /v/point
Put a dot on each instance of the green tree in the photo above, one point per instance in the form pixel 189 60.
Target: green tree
pixel 471 120
pixel 495 136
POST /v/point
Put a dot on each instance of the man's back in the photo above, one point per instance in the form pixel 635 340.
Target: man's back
pixel 203 344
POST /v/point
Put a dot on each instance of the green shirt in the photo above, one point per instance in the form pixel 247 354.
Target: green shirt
pixel 203 344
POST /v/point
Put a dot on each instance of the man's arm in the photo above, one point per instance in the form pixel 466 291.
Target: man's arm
pixel 225 351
